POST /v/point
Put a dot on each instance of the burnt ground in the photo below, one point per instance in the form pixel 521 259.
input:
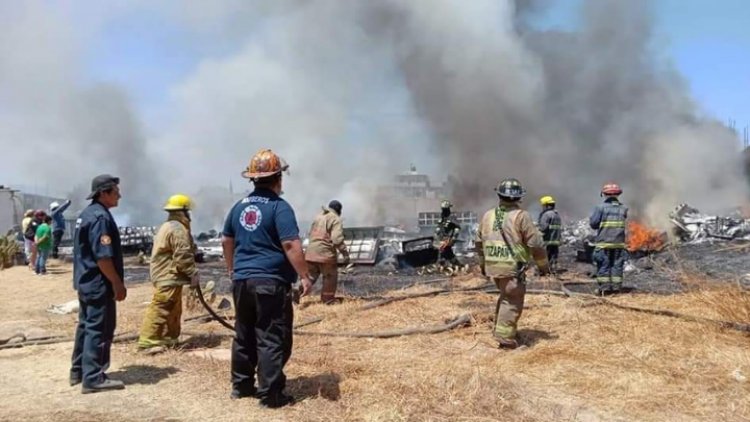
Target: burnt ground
pixel 660 273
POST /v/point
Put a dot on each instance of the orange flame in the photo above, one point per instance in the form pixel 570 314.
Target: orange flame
pixel 642 238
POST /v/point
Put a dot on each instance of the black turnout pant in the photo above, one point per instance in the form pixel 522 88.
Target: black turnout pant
pixel 263 342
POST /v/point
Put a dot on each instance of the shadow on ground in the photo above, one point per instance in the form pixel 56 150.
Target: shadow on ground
pixel 143 374
pixel 530 337
pixel 201 341
pixel 324 385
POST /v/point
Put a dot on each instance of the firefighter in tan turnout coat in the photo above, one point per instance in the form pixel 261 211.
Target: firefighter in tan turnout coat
pixel 326 240
pixel 172 266
pixel 507 241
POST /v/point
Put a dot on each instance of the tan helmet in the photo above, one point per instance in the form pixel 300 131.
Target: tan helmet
pixel 265 163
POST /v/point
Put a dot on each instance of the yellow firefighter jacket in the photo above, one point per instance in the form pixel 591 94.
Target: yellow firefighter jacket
pixel 173 254
pixel 326 238
pixel 499 259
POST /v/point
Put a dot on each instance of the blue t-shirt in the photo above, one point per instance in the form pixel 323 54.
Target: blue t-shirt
pixel 258 224
pixel 96 237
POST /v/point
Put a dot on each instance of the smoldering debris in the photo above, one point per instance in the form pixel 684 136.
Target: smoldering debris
pixel 692 226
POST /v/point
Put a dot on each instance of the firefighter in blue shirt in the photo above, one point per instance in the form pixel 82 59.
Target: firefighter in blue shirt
pixel 609 220
pixel 98 278
pixel 264 257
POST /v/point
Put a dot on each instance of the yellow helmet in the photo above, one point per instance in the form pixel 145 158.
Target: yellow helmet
pixel 178 202
pixel 547 200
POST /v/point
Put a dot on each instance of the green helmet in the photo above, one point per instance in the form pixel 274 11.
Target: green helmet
pixel 446 204
pixel 510 188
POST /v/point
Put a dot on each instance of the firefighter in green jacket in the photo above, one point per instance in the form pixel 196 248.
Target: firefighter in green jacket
pixel 172 267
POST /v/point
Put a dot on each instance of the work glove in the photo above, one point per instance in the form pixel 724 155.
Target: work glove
pixel 194 280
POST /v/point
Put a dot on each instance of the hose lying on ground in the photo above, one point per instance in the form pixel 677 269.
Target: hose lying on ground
pixel 389 300
pixel 462 320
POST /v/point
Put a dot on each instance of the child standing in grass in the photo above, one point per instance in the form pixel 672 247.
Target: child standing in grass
pixel 43 240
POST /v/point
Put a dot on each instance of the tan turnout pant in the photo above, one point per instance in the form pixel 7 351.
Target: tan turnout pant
pixel 330 274
pixel 509 307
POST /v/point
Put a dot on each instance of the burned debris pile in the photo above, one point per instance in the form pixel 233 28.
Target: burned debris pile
pixel 691 226
pixel 707 246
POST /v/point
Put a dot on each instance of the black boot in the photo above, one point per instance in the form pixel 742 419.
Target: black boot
pixel 107 385
pixel 274 401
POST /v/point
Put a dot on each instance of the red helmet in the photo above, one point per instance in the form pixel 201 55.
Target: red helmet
pixel 611 189
pixel 39 213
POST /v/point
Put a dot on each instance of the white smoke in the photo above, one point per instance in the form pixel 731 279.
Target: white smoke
pixel 350 93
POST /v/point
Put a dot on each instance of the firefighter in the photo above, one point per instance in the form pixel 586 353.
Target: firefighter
pixel 326 241
pixel 608 219
pixel 264 257
pixel 506 243
pixel 550 225
pixel 446 232
pixel 172 267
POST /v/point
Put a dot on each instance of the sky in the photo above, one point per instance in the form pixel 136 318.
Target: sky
pixel 708 40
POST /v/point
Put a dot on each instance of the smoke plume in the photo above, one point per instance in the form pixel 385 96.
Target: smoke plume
pixel 350 93
pixel 59 132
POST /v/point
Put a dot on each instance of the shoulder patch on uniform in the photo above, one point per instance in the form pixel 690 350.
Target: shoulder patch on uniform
pixel 105 240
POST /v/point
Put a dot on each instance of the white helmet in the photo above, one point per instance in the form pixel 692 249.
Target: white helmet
pixel 53 206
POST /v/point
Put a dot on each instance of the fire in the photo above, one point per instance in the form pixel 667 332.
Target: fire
pixel 642 238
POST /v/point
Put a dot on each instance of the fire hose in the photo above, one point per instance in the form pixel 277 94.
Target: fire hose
pixel 221 320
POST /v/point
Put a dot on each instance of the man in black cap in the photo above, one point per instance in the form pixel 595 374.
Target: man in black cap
pixel 98 278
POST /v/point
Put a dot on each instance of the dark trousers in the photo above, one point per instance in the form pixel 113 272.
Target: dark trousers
pixel 552 253
pixel 610 264
pixel 263 342
pixel 93 340
pixel 57 236
pixel 447 255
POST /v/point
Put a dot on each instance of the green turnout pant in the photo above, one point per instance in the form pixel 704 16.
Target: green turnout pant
pixel 162 324
pixel 330 274
pixel 509 307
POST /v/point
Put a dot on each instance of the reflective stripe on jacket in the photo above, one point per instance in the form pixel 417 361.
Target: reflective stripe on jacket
pixel 500 260
pixel 609 220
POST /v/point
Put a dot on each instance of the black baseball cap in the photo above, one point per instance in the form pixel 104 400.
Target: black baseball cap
pixel 101 183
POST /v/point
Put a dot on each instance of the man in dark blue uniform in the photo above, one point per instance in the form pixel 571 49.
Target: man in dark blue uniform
pixel 98 278
pixel 264 255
